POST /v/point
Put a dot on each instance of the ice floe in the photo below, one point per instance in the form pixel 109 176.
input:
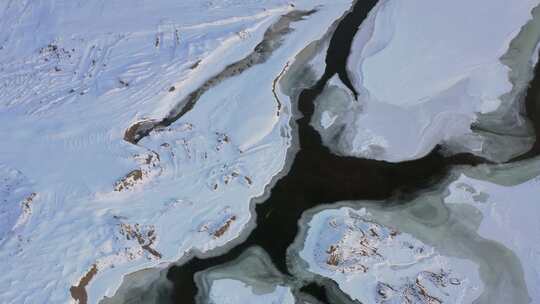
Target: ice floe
pixel 428 73
pixel 252 278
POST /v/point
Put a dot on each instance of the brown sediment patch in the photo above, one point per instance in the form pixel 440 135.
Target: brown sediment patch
pixel 274 84
pixel 149 165
pixel 150 158
pixel 78 293
pixel 333 256
pixel 424 295
pixel 151 250
pixel 195 65
pixel 416 291
pixel 221 230
pixel 27 203
pixel 145 238
pixel 222 140
pixel 129 180
pixel 132 133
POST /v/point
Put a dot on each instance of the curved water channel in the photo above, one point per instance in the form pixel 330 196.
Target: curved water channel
pixel 317 176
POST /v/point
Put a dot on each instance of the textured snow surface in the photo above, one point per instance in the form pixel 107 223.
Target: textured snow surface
pixel 74 76
pixel 425 71
pixel 16 200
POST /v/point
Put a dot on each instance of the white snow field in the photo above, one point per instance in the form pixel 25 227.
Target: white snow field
pixel 80 206
pixel 473 238
pixel 436 72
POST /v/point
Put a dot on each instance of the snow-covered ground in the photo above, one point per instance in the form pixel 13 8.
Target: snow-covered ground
pixel 431 72
pixel 82 206
pixel 478 228
pixel 16 199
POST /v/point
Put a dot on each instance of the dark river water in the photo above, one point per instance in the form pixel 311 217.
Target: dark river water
pixel 318 176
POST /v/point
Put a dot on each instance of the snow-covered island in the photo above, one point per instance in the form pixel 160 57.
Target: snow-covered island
pixel 473 238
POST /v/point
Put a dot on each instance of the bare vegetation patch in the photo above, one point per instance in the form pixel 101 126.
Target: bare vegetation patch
pixel 221 230
pixel 78 293
pixel 129 180
pixel 144 235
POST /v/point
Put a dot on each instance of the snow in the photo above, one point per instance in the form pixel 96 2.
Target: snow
pixel 327 119
pixel 75 76
pixel 253 278
pixel 144 286
pixel 221 294
pixel 510 212
pixel 479 226
pixel 441 39
pixel 373 263
pixel 432 69
pixel 16 200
